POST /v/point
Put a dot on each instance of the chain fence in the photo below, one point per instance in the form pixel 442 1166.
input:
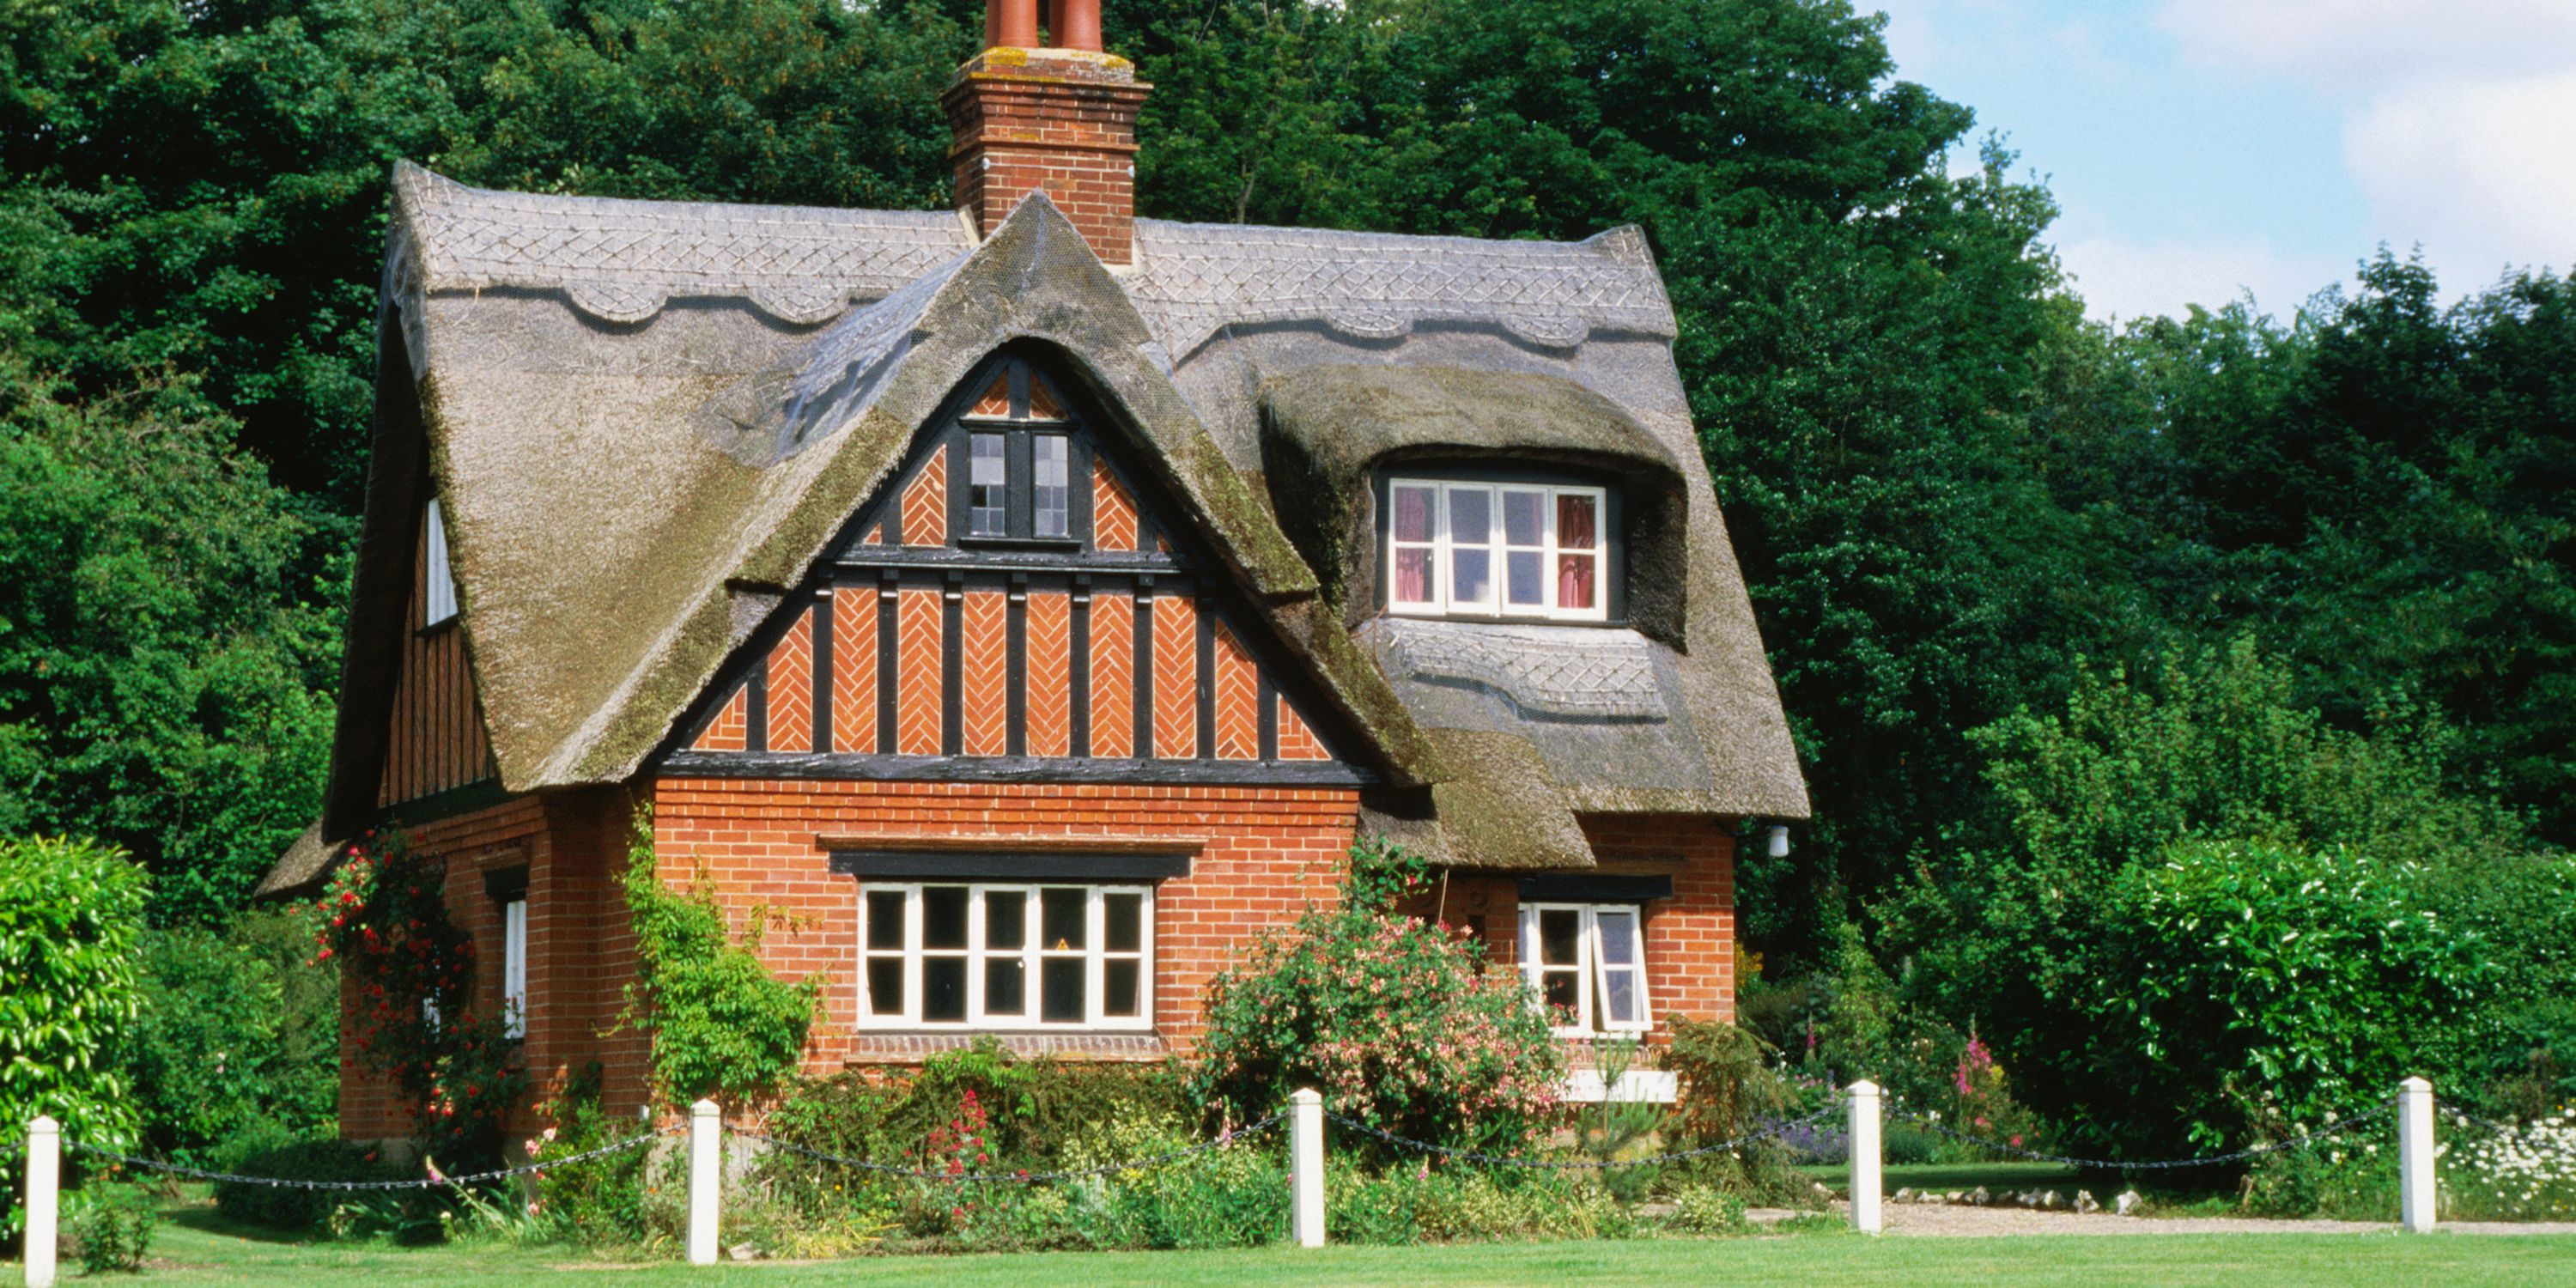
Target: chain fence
pixel 1219 1141
pixel 1484 1159
pixel 2322 1134
pixel 431 1182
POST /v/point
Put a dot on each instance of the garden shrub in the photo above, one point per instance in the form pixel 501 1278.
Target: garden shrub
pixel 294 1210
pixel 721 1025
pixel 2528 1174
pixel 1728 1089
pixel 1710 1209
pixel 609 1200
pixel 71 915
pixel 1400 1024
pixel 1423 1204
pixel 235 1029
pixel 109 1227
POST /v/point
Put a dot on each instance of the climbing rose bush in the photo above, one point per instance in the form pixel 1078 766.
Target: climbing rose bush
pixel 384 918
pixel 1401 1024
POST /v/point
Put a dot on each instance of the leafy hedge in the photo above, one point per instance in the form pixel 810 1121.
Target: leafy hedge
pixel 71 920
pixel 299 1211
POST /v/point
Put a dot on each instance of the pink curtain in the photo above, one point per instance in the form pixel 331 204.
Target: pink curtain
pixel 1412 576
pixel 1575 522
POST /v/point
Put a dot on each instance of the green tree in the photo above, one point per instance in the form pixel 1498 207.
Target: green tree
pixel 70 914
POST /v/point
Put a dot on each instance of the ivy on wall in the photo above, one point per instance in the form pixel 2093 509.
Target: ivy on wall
pixel 721 1025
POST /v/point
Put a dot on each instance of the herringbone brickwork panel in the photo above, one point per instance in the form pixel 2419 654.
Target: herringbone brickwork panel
pixel 1050 675
pixel 1113 512
pixel 791 687
pixel 1176 678
pixel 1296 741
pixel 854 669
pixel 925 503
pixel 984 674
pixel 917 673
pixel 1113 675
pixel 727 730
pixel 1238 699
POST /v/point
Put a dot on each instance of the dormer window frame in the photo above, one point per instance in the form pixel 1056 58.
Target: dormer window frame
pixel 1548 542
pixel 438 577
pixel 1028 455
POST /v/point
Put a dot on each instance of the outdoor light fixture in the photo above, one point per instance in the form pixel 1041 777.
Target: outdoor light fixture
pixel 1779 841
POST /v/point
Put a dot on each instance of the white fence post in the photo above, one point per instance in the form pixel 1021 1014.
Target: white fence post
pixel 1865 1183
pixel 44 1198
pixel 2415 1154
pixel 1306 1164
pixel 706 1179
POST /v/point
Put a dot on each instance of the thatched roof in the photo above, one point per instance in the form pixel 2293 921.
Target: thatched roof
pixel 645 420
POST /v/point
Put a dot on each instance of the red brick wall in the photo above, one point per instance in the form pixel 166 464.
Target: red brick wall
pixel 1265 853
pixel 1690 938
pixel 578 949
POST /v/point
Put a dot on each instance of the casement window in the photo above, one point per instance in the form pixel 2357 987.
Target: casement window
pixel 439 583
pixel 1587 963
pixel 1006 956
pixel 1533 550
pixel 1019 484
pixel 514 967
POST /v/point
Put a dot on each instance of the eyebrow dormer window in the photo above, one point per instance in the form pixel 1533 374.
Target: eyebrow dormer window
pixel 438 586
pixel 1496 550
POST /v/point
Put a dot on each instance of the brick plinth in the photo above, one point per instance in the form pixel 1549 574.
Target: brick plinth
pixel 1058 121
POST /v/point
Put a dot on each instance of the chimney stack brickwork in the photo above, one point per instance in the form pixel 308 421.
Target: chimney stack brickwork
pixel 1061 121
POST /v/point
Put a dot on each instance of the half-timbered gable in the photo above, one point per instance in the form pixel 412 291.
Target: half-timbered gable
pixel 1021 602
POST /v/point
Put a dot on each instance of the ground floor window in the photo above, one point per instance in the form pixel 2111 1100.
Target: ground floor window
pixel 514 967
pixel 1588 965
pixel 1006 956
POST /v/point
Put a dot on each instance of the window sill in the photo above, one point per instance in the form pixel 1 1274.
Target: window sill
pixel 965 541
pixel 914 1047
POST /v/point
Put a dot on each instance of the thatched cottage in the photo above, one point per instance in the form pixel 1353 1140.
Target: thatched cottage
pixel 1036 600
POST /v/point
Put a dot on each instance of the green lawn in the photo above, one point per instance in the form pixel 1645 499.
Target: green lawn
pixel 196 1251
pixel 1997 1177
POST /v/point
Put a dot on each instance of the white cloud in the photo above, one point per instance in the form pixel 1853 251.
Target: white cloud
pixel 2482 172
pixel 2128 279
pixel 2345 46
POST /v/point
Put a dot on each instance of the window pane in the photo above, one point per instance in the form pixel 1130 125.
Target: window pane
pixel 885 986
pixel 943 917
pixel 1006 986
pixel 1471 576
pixel 1050 497
pixel 1062 912
pixel 1525 578
pixel 987 500
pixel 1619 997
pixel 1560 936
pixel 1561 990
pixel 885 919
pixel 1122 999
pixel 1413 575
pixel 1060 990
pixel 1574 581
pixel 1618 937
pixel 1576 522
pixel 1471 516
pixel 1412 514
pixel 1006 918
pixel 1524 518
pixel 1125 932
pixel 943 989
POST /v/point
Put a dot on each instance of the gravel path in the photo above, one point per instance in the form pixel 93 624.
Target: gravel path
pixel 1974 1222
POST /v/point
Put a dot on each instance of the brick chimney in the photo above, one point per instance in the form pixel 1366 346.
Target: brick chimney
pixel 1060 119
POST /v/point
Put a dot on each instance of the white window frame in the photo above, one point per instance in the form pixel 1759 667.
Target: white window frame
pixel 514 967
pixel 1095 955
pixel 439 580
pixel 1589 967
pixel 1496 603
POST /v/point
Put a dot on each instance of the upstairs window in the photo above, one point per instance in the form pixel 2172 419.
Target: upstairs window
pixel 439 584
pixel 1530 550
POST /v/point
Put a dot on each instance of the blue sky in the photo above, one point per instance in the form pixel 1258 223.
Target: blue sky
pixel 2205 149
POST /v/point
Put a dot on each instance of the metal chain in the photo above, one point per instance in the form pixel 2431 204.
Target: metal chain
pixel 2333 1128
pixel 1584 1164
pixel 1015 1178
pixel 422 1183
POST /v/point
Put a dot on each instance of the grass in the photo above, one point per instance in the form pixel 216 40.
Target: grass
pixel 198 1248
